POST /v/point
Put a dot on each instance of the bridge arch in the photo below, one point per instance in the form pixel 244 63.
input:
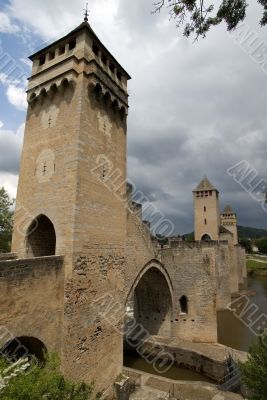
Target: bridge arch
pixel 150 300
pixel 41 237
pixel 24 347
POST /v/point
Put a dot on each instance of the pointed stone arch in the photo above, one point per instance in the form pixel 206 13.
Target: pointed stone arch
pixel 206 237
pixel 41 237
pixel 150 300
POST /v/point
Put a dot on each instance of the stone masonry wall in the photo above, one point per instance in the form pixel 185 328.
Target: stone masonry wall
pixel 31 299
pixel 222 272
pixel 191 269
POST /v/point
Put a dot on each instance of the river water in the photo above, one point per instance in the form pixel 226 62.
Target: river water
pixel 231 331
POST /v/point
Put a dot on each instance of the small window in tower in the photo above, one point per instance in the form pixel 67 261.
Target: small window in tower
pixel 72 44
pixel 205 221
pixel 119 75
pixel 104 59
pixel 61 50
pixel 210 192
pixel 205 209
pixel 183 305
pixel 51 55
pixel 95 49
pixel 112 68
pixel 42 59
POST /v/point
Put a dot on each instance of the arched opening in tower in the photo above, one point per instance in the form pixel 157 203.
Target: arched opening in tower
pixel 41 238
pixel 150 306
pixel 24 347
pixel 206 237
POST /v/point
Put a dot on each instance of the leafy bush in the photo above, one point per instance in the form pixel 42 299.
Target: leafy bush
pixel 43 383
pixel 6 222
pixel 254 371
pixel 262 245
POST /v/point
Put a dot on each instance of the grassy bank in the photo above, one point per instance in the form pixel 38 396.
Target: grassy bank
pixel 252 265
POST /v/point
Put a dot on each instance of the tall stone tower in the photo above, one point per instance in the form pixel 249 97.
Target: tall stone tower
pixel 207 211
pixel 72 190
pixel 229 221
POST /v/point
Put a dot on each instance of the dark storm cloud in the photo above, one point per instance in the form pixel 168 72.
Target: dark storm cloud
pixel 160 148
pixel 195 109
pixel 10 146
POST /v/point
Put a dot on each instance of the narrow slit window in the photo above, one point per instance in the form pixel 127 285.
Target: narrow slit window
pixel 51 55
pixel 72 44
pixel 42 59
pixel 61 50
pixel 104 60
pixel 95 50
pixel 183 305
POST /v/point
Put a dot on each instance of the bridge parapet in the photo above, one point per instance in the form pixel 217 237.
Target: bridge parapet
pixel 19 269
pixel 31 298
pixel 184 244
pixel 8 256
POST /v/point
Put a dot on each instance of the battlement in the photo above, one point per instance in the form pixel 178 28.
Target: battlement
pixel 183 244
pixel 79 52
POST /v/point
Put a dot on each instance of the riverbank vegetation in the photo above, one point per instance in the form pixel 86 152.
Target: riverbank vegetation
pixel 254 371
pixel 40 382
pixel 6 220
pixel 253 265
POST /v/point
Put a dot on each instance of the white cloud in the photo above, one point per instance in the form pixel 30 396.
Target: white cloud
pixel 10 151
pixel 6 26
pixel 15 92
pixel 17 97
pixel 1 124
pixel 10 183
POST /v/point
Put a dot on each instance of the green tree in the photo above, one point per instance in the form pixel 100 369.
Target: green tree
pixel 43 382
pixel 6 220
pixel 254 371
pixel 198 16
pixel 190 237
pixel 262 245
pixel 246 243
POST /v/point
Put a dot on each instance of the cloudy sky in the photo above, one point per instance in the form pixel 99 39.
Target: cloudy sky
pixel 196 108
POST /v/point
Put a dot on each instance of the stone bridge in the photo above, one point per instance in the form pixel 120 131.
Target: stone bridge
pixel 173 291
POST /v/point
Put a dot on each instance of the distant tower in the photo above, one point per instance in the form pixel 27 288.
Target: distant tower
pixel 75 141
pixel 229 221
pixel 207 211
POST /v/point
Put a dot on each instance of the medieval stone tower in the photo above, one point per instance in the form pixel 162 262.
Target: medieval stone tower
pixel 207 211
pixel 229 221
pixel 75 140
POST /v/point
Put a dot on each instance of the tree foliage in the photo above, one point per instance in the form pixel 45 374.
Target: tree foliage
pixel 246 244
pixel 262 245
pixel 254 371
pixel 43 383
pixel 6 220
pixel 198 16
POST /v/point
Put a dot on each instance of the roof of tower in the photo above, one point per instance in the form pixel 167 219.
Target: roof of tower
pixel 84 26
pixel 204 185
pixel 228 210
